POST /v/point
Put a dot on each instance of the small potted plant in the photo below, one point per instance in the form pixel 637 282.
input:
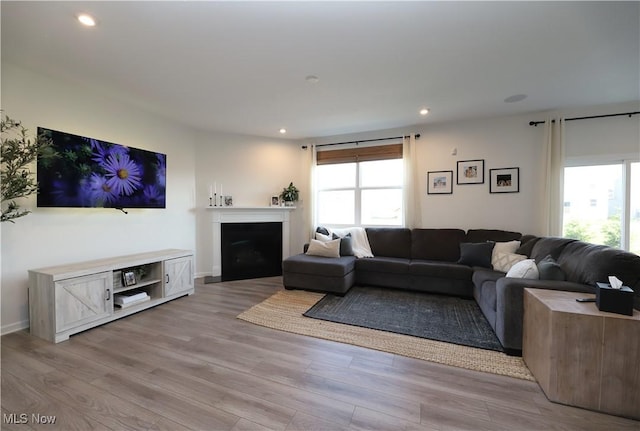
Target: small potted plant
pixel 290 195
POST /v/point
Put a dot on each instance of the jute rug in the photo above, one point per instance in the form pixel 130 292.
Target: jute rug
pixel 284 309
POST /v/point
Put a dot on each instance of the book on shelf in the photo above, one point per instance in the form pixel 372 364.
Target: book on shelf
pixel 130 296
pixel 131 304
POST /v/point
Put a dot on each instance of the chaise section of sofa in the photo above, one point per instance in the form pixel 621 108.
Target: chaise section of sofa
pixel 322 274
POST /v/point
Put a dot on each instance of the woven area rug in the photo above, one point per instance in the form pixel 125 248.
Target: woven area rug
pixel 284 311
pixel 436 317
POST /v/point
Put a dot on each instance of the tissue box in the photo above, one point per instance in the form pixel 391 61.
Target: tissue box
pixel 614 300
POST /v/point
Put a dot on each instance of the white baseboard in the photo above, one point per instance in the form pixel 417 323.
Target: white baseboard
pixel 14 327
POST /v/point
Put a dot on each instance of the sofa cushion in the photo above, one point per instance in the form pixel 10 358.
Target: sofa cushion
pixel 526 245
pixel 549 245
pixel 440 269
pixel 324 248
pixel 325 266
pixel 476 254
pixel 484 235
pixel 484 291
pixel 589 263
pixel 393 265
pixel 482 276
pixel 390 242
pixel 436 244
pixel 548 269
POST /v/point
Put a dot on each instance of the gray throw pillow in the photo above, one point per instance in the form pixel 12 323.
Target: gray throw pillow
pixel 346 244
pixel 476 254
pixel 549 269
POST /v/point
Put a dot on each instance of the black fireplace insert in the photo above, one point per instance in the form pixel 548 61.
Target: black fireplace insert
pixel 251 250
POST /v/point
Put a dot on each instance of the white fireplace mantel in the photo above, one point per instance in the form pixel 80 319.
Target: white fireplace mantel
pixel 221 215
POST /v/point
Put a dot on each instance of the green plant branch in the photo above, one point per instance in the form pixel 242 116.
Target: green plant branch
pixel 17 153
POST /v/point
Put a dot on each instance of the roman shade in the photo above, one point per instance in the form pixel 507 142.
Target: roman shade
pixel 359 154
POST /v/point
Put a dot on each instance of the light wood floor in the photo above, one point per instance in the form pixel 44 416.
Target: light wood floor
pixel 190 364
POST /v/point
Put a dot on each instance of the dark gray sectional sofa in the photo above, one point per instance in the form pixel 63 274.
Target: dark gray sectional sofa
pixel 427 260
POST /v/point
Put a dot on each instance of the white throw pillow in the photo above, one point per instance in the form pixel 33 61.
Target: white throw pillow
pixel 505 261
pixel 503 247
pixel 524 269
pixel 324 248
pixel 323 237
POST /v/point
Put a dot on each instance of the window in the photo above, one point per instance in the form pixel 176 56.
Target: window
pixel 602 204
pixel 359 193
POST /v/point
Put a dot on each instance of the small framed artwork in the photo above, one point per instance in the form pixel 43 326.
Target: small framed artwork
pixel 504 180
pixel 439 182
pixel 228 201
pixel 471 172
pixel 275 201
pixel 128 278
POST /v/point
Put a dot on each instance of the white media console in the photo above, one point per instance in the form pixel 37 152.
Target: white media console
pixel 67 299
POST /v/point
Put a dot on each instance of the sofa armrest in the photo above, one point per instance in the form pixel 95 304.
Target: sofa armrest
pixel 510 305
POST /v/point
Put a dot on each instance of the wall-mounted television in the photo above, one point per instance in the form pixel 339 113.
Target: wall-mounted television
pixel 86 172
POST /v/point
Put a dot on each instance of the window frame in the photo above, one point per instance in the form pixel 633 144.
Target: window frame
pixel 358 155
pixel 625 161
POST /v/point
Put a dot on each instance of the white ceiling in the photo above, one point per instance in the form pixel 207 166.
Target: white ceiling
pixel 240 67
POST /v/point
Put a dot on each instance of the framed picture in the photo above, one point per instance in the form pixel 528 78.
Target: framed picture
pixel 128 278
pixel 440 182
pixel 504 180
pixel 471 172
pixel 275 201
pixel 228 201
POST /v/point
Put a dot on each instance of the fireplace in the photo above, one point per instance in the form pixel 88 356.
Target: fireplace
pixel 251 250
pixel 221 216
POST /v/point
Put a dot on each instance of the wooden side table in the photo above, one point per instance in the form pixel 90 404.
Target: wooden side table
pixel 580 355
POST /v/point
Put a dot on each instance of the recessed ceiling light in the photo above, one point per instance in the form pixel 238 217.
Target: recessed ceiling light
pixel 283 130
pixel 86 20
pixel 312 79
pixel 424 111
pixel 515 98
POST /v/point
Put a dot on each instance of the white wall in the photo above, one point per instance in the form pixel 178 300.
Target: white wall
pixel 503 142
pixel 251 169
pixel 57 236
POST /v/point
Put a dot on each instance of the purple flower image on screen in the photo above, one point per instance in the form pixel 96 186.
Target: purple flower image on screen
pixel 123 174
pixel 92 173
pixel 102 150
pixel 152 194
pixel 100 191
pixel 161 174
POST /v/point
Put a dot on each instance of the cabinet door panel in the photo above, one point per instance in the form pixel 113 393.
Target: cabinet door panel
pixel 82 300
pixel 178 275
